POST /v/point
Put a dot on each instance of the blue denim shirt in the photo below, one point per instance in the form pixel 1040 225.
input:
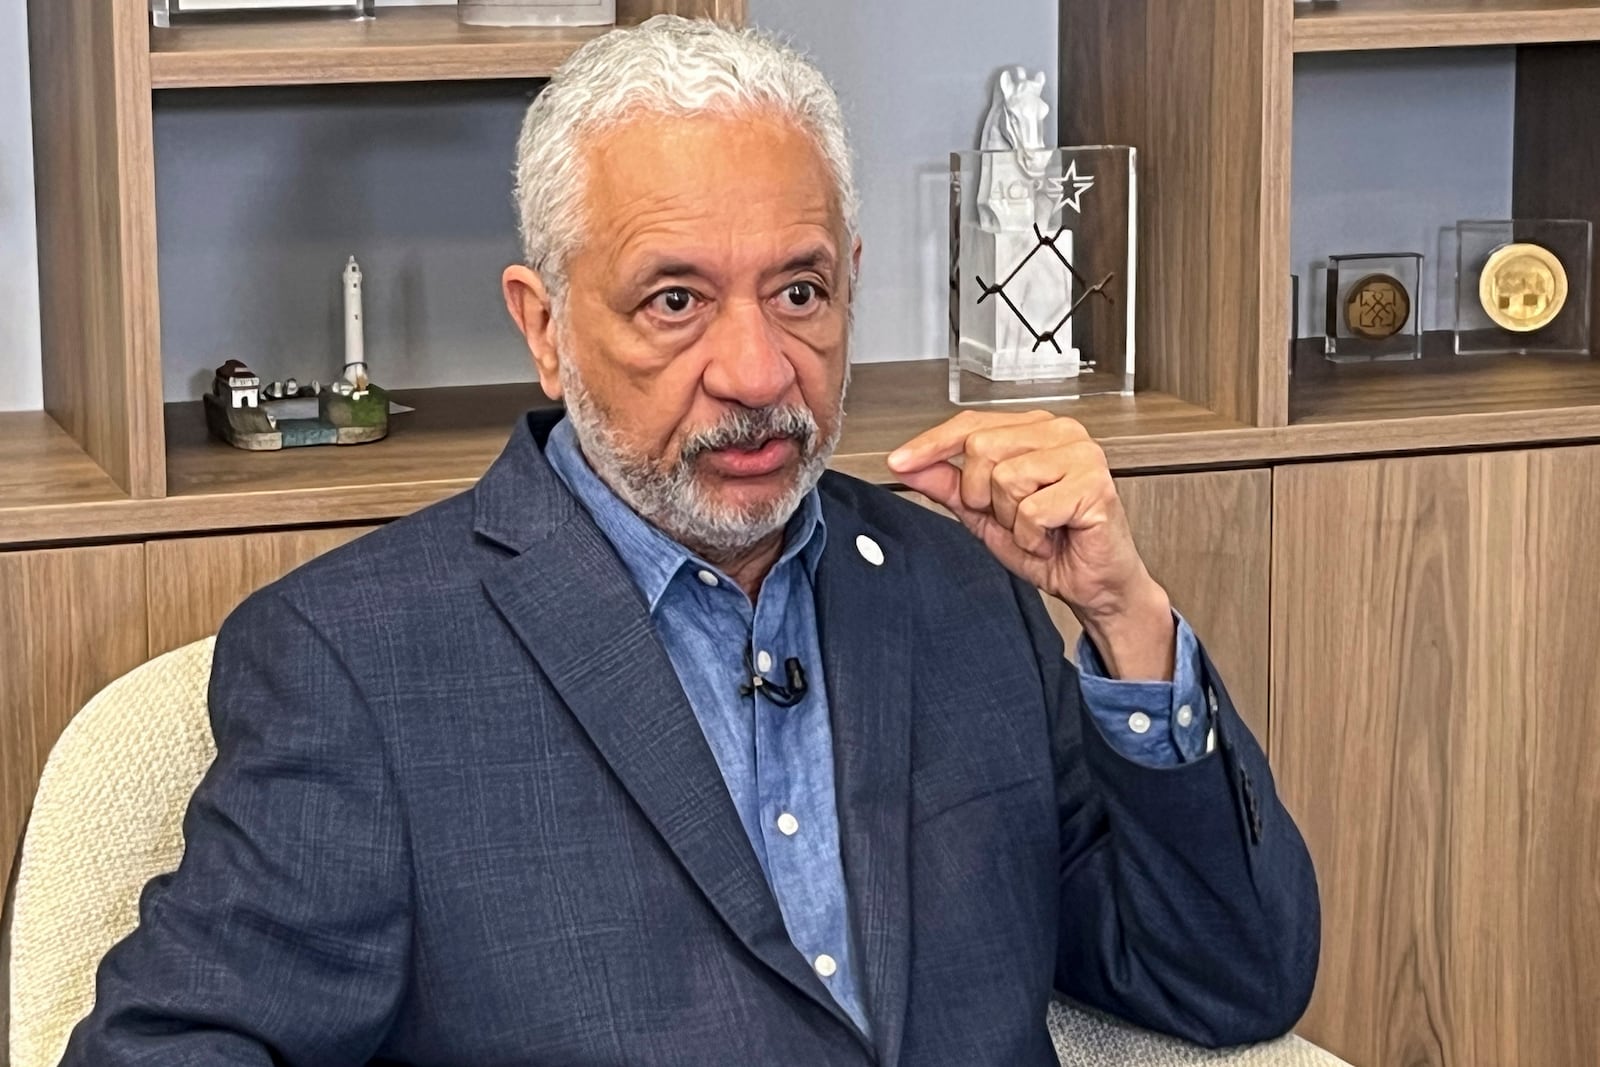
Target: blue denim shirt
pixel 778 762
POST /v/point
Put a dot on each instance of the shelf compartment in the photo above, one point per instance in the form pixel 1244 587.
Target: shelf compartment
pixel 407 44
pixel 1440 385
pixel 451 437
pixel 40 464
pixel 1358 25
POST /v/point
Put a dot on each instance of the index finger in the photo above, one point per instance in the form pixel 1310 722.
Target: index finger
pixel 949 439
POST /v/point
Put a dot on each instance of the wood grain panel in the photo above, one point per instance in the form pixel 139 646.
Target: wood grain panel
pixel 1207 538
pixel 1202 88
pixel 1354 25
pixel 74 621
pixel 95 182
pixel 1554 160
pixel 1435 690
pixel 195 582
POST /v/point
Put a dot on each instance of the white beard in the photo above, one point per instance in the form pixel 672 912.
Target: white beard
pixel 674 500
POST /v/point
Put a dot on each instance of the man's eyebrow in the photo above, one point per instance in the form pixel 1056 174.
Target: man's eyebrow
pixel 661 269
pixel 819 258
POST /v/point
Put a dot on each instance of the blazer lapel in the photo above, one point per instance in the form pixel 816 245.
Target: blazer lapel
pixel 866 649
pixel 571 601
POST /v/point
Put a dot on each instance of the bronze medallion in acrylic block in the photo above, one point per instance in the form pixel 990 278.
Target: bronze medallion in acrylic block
pixel 1377 307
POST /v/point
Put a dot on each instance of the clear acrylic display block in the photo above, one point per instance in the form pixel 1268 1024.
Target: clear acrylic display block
pixel 538 12
pixel 1374 307
pixel 162 12
pixel 1522 285
pixel 1041 273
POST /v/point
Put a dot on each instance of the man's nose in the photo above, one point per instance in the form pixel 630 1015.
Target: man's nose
pixel 748 365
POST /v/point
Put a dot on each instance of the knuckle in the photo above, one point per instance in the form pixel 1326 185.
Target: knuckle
pixel 1071 428
pixel 981 442
pixel 1089 453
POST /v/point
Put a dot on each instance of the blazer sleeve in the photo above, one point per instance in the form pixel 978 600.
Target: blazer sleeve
pixel 1189 903
pixel 283 937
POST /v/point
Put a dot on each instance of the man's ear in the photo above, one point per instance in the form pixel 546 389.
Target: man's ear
pixel 528 301
pixel 855 268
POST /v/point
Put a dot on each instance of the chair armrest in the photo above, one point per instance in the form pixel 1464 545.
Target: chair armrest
pixel 1085 1038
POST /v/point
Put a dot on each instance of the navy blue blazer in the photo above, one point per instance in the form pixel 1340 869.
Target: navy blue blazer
pixel 462 814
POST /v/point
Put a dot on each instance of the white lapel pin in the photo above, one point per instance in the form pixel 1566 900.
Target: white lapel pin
pixel 869 550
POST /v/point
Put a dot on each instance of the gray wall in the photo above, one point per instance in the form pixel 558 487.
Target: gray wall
pixel 1390 150
pixel 19 267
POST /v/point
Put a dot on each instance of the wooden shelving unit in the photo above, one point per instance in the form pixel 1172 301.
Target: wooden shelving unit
pixel 407 44
pixel 109 460
pixel 1355 25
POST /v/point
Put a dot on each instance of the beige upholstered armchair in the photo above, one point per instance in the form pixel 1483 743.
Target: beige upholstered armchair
pixel 108 817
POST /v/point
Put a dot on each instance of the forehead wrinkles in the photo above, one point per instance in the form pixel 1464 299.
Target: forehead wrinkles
pixel 708 175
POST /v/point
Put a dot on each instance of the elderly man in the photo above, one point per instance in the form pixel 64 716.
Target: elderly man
pixel 671 749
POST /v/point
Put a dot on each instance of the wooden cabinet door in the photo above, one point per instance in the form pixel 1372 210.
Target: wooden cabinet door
pixel 1436 732
pixel 74 621
pixel 196 581
pixel 1207 538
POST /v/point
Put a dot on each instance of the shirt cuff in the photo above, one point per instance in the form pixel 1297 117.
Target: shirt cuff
pixel 1158 724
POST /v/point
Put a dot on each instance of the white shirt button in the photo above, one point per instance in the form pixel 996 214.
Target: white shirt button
pixel 788 824
pixel 870 551
pixel 826 965
pixel 764 662
pixel 707 577
pixel 1139 722
pixel 1185 715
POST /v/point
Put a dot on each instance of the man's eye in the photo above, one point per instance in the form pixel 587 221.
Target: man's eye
pixel 802 295
pixel 675 301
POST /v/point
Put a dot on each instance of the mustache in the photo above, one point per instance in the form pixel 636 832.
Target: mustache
pixel 751 427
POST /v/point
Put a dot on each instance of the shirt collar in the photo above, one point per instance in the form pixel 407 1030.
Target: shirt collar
pixel 652 558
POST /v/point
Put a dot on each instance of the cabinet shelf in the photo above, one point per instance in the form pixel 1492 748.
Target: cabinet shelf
pixel 40 464
pixel 1356 25
pixel 402 44
pixel 449 440
pixel 1441 386
pixel 51 491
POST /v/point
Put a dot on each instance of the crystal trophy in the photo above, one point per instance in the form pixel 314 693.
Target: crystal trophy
pixel 1042 273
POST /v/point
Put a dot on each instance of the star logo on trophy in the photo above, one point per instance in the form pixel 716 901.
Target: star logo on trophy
pixel 1079 185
